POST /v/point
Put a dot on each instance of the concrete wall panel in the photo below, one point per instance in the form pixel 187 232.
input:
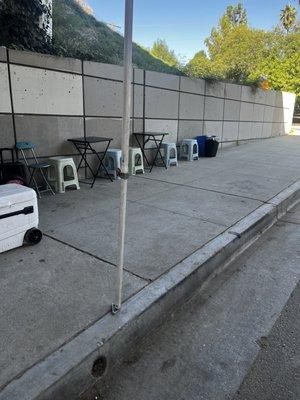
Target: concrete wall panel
pixel 213 128
pixel 269 114
pixel 232 110
pixel 170 127
pixel 288 100
pixel 49 133
pixel 189 129
pixel 276 129
pixel 246 113
pixel 258 112
pixel 257 128
pixel 288 114
pixel 138 75
pixel 102 97
pixel 270 97
pixel 278 115
pixel 230 131
pixel 162 80
pixel 279 99
pixel 137 125
pixel 102 70
pixel 287 127
pixel 3 55
pixel 233 91
pixel 138 101
pixel 192 85
pixel 191 106
pixel 5 102
pixel 45 61
pixel 260 96
pixel 161 103
pixel 108 127
pixel 7 134
pixel 247 94
pixel 216 89
pixel 213 108
pixel 245 130
pixel 266 130
pixel 39 91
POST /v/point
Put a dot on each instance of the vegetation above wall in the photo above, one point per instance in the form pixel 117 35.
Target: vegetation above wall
pixel 235 51
pixel 239 53
pixel 20 25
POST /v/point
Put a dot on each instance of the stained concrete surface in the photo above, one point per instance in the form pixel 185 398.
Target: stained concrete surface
pixel 155 239
pixel 45 303
pixel 49 293
pixel 205 348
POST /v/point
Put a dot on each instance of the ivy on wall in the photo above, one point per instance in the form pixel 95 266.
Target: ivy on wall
pixel 21 23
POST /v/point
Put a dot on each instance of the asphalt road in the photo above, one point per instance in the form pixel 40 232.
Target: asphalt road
pixel 237 338
pixel 275 374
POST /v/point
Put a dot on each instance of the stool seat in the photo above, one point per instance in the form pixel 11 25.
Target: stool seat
pixel 170 153
pixel 62 173
pixel 39 165
pixel 189 149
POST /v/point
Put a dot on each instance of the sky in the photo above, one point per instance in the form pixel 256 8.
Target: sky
pixel 184 24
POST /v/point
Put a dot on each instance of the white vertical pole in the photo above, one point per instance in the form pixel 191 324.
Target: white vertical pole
pixel 125 147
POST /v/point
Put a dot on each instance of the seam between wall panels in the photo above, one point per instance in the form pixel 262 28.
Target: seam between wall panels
pixel 132 119
pixel 144 100
pixel 120 117
pixel 222 134
pixel 11 99
pixel 204 103
pixel 240 101
pixel 178 113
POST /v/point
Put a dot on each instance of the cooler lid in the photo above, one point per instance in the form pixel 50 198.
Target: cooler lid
pixel 12 193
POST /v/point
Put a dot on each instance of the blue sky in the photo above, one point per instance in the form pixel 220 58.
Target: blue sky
pixel 183 24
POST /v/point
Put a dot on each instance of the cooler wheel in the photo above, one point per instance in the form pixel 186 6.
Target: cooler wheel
pixel 33 236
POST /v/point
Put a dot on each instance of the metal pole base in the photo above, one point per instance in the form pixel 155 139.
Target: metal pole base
pixel 115 308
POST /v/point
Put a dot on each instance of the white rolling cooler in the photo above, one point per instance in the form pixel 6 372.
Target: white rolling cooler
pixel 18 217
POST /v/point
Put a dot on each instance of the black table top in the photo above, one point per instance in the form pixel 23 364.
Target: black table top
pixel 151 133
pixel 90 139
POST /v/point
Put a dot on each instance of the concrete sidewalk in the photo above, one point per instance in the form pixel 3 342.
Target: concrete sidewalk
pixel 52 292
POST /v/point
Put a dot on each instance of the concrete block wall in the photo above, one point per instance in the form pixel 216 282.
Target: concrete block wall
pixel 49 99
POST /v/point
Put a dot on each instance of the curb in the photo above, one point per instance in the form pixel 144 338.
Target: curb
pixel 66 373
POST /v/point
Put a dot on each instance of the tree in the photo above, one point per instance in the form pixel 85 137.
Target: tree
pixel 239 53
pixel 237 14
pixel 161 50
pixel 199 66
pixel 288 17
pixel 20 25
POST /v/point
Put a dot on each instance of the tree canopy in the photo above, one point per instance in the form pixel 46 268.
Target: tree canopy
pixel 161 50
pixel 239 53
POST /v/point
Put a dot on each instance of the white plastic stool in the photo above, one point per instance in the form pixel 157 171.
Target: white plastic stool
pixel 136 163
pixel 112 161
pixel 189 149
pixel 170 153
pixel 62 173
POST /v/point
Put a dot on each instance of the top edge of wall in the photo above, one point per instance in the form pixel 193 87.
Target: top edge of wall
pixel 160 79
pixel 3 54
pixel 110 71
pixel 45 61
